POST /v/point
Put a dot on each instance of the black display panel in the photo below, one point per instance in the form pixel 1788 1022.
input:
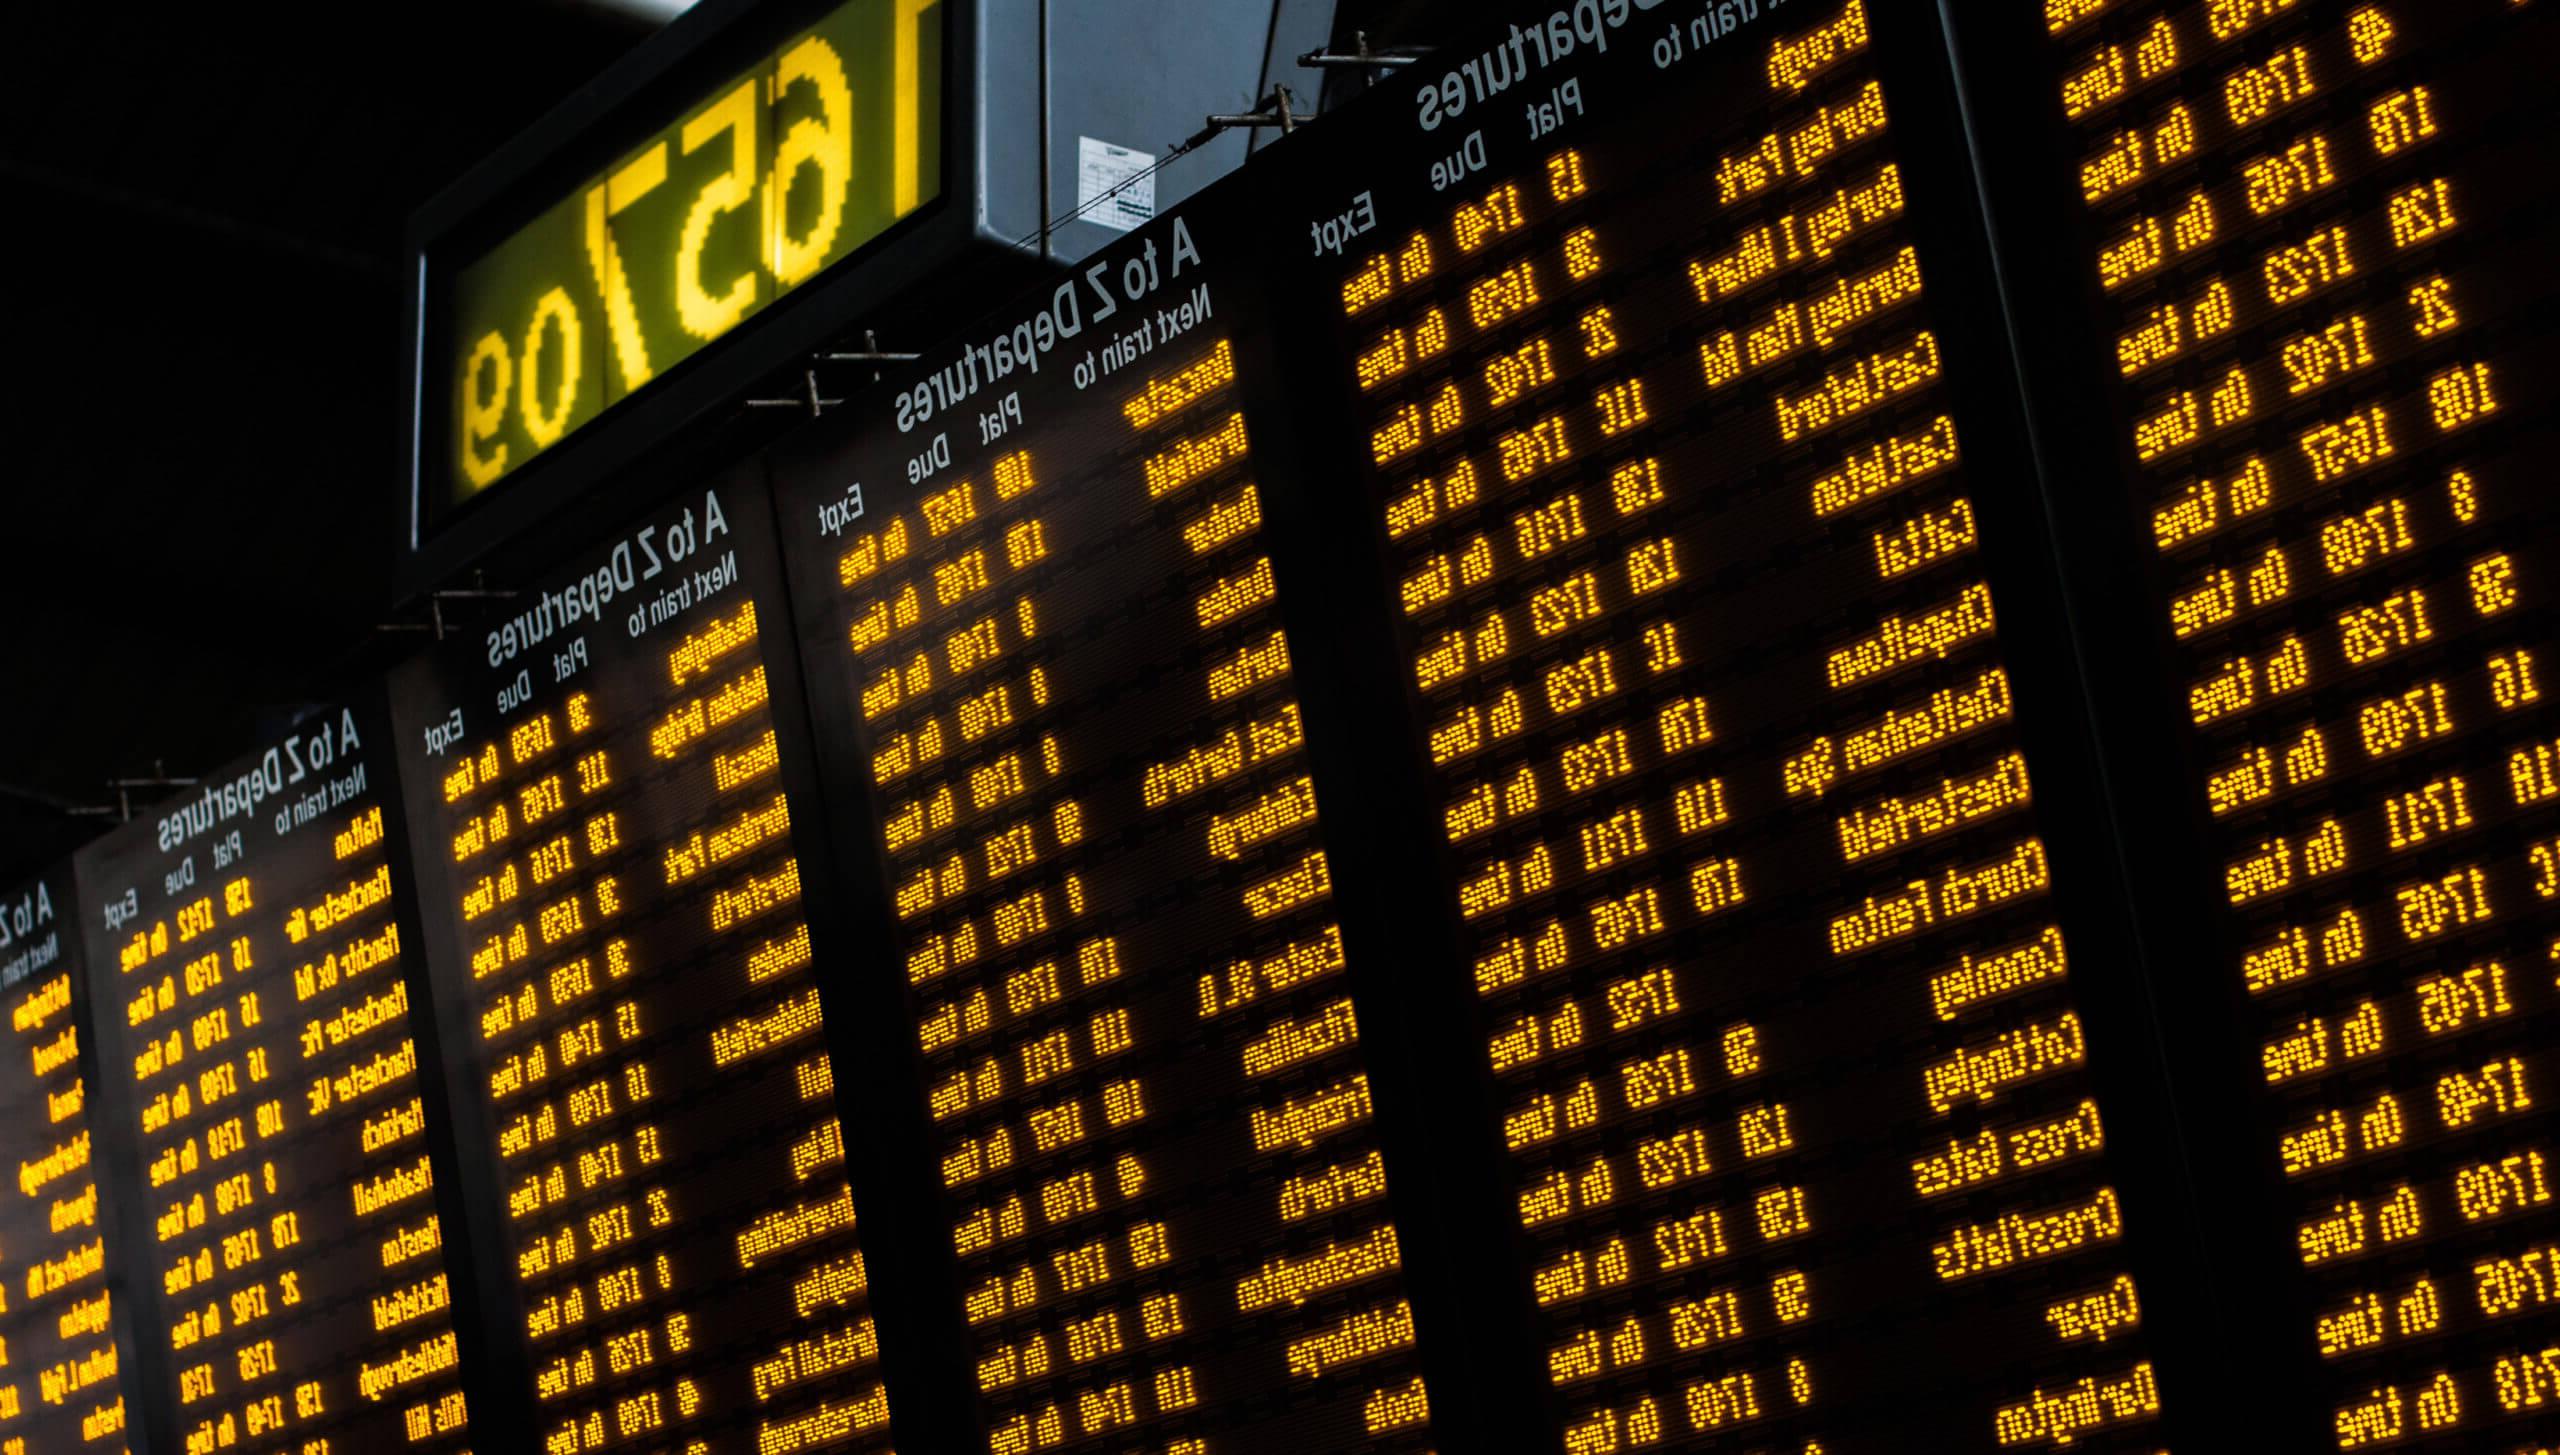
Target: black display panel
pixel 622 972
pixel 1646 381
pixel 245 965
pixel 2286 270
pixel 65 1311
pixel 1058 706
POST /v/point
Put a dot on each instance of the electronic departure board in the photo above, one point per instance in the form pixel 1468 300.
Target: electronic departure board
pixel 246 972
pixel 1060 710
pixel 783 170
pixel 1668 442
pixel 623 983
pixel 65 1324
pixel 2299 363
pixel 1785 727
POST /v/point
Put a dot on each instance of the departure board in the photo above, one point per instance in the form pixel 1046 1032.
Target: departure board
pixel 1060 708
pixel 2302 368
pixel 636 1046
pixel 246 966
pixel 1776 725
pixel 1655 420
pixel 63 1320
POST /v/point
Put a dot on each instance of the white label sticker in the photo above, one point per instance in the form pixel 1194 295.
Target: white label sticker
pixel 1113 184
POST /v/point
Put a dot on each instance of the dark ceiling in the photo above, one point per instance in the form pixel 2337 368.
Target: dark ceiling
pixel 205 205
pixel 205 202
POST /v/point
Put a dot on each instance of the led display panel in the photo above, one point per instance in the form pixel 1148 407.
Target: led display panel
pixel 246 964
pixel 63 1315
pixel 1059 708
pixel 2299 350
pixel 1642 367
pixel 780 172
pixel 622 976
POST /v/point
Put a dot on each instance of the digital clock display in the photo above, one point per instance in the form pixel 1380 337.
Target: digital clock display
pixel 769 180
